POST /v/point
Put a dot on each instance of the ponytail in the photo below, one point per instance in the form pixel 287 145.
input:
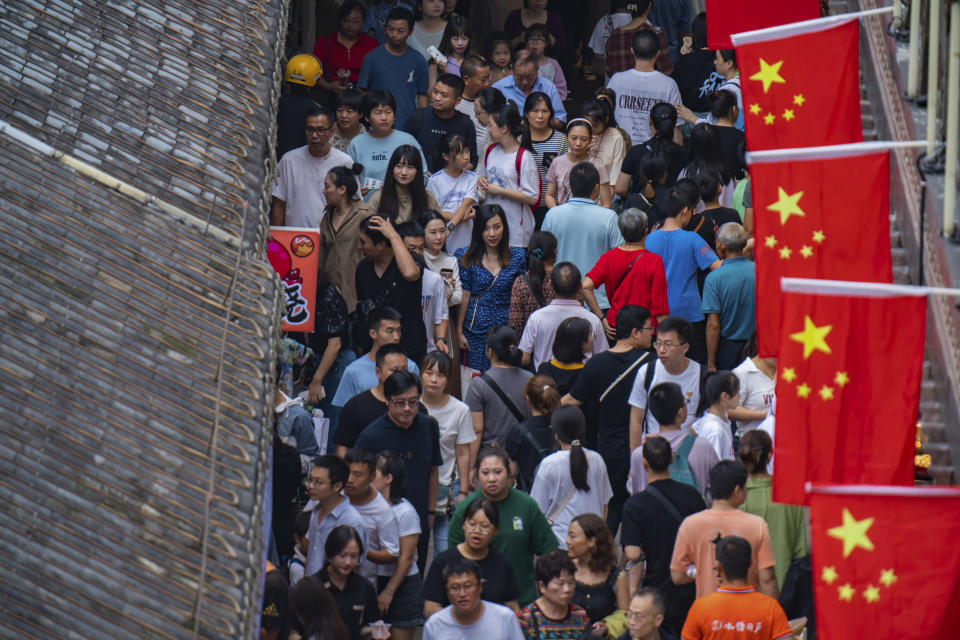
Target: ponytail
pixel 542 247
pixel 508 116
pixel 502 341
pixel 715 385
pixel 542 394
pixel 570 427
pixel 754 450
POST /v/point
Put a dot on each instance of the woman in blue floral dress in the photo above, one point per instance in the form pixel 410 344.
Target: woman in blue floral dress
pixel 488 268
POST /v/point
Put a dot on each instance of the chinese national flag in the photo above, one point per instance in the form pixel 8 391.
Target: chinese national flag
pixel 885 562
pixel 848 384
pixel 801 87
pixel 732 16
pixel 825 217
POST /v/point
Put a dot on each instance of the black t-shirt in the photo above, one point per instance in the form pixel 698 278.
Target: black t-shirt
pixel 357 603
pixel 690 73
pixel 608 421
pixel 564 377
pixel 422 440
pixel 275 614
pixel 522 451
pixel 731 139
pixel 291 118
pixel 648 525
pixel 427 127
pixel 707 223
pixel 330 320
pixel 392 290
pixel 676 160
pixel 499 581
pixel 357 414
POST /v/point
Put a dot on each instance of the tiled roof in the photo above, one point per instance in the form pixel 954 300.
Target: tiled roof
pixel 138 321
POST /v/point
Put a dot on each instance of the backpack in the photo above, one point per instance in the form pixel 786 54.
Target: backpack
pixel 680 469
pixel 518 159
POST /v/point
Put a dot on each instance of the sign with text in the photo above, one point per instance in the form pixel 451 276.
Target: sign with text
pixel 294 254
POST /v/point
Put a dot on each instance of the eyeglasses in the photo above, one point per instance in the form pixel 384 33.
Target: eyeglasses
pixel 463 588
pixel 400 404
pixel 477 528
pixel 666 345
pixel 318 130
pixel 317 482
pixel 536 40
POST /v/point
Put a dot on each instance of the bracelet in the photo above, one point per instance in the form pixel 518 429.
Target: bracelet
pixel 441 338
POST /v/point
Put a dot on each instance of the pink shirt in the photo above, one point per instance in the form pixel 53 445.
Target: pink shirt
pixel 559 173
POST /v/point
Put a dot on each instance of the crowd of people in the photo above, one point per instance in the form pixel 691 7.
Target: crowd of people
pixel 534 342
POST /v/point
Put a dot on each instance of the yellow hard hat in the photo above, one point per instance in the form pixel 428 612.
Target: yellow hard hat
pixel 303 69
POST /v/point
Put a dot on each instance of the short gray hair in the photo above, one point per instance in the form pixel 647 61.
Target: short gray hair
pixel 633 224
pixel 733 237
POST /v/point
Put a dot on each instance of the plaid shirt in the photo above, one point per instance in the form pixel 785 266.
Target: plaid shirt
pixel 620 50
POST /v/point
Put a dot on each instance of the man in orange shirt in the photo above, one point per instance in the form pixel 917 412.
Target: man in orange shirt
pixel 699 532
pixel 735 611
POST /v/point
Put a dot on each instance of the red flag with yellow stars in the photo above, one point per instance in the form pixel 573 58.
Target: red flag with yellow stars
pixel 732 16
pixel 825 216
pixel 800 84
pixel 848 384
pixel 885 562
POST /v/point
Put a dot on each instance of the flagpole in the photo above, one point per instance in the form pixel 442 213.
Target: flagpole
pixel 812 285
pixel 832 151
pixel 804 26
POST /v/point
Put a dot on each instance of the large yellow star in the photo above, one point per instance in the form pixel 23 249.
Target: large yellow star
pixel 853 532
pixel 846 592
pixel 787 205
pixel 803 391
pixel 829 575
pixel 813 338
pixel 887 577
pixel 769 74
pixel 789 374
pixel 871 594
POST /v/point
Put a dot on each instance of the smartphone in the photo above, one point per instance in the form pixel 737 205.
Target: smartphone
pixel 436 55
pixel 446 273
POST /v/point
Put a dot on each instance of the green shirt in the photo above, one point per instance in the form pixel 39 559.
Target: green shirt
pixel 788 531
pixel 524 533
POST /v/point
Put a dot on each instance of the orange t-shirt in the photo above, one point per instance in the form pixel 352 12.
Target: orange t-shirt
pixel 736 613
pixel 695 544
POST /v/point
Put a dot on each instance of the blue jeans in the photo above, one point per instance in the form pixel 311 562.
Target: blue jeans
pixel 441 524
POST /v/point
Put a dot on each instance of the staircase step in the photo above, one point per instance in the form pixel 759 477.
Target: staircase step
pixel 928 391
pixel 939 453
pixel 901 275
pixel 899 256
pixel 931 411
pixel 942 475
pixel 895 238
pixel 935 431
pixel 927 371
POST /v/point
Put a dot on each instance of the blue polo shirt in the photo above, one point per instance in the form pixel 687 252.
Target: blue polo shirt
pixel 682 252
pixel 360 375
pixel 508 87
pixel 730 292
pixel 585 231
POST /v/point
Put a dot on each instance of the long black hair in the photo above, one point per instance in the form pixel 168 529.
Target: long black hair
pixel 570 427
pixel 706 154
pixel 502 341
pixel 715 385
pixel 569 339
pixel 389 197
pixel 542 248
pixel 508 116
pixel 338 538
pixel 535 98
pixel 394 464
pixel 474 253
pixel 451 144
pixel 663 120
pixel 316 609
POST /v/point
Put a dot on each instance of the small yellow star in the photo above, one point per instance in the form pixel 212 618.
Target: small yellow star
pixel 788 115
pixel 818 236
pixel 789 374
pixel 799 99
pixel 769 118
pixel 887 577
pixel 826 393
pixel 846 592
pixel 841 379
pixel 853 532
pixel 787 204
pixel 813 338
pixel 769 74
pixel 829 575
pixel 755 109
pixel 771 241
pixel 806 251
pixel 803 391
pixel 785 252
pixel 871 593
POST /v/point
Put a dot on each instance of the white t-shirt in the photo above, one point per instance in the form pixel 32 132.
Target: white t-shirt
pixel 552 483
pixel 637 92
pixel 456 427
pixel 716 431
pixel 602 30
pixel 450 193
pixel 689 382
pixel 299 184
pixel 382 534
pixel 756 390
pixel 769 425
pixel 497 621
pixel 469 107
pixel 541 329
pixel 501 170
pixel 408 523
pixel 433 299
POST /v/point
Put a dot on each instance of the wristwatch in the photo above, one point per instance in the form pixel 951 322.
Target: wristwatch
pixel 451 226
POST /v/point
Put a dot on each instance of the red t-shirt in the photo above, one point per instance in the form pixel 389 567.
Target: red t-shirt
pixel 339 57
pixel 645 284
